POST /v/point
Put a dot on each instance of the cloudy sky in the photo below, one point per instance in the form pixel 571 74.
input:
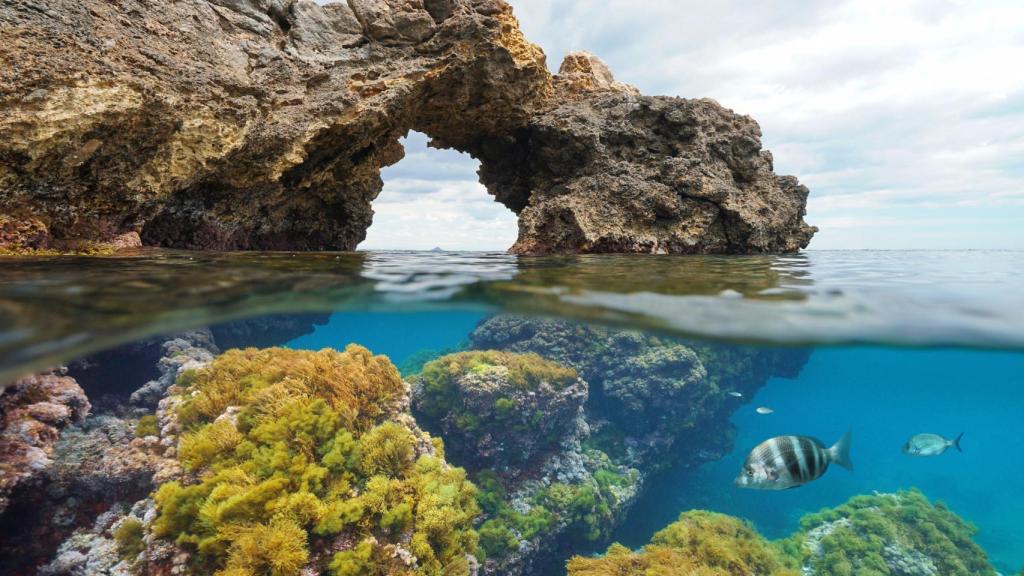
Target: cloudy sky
pixel 904 118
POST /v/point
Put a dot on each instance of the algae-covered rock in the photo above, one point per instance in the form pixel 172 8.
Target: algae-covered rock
pixel 899 534
pixel 498 410
pixel 698 544
pixel 652 391
pixel 516 422
pixel 297 460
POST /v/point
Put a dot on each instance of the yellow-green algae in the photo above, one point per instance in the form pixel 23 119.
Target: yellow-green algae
pixel 129 539
pixel 147 426
pixel 863 531
pixel 863 537
pixel 525 371
pixel 698 544
pixel 294 450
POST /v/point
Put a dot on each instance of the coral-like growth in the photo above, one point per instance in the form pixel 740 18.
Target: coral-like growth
pixel 698 544
pixel 305 458
pixel 888 535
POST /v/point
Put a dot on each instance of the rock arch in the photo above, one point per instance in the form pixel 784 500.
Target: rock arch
pixel 263 124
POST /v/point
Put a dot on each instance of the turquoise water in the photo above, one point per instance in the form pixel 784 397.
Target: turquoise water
pixel 884 396
pixel 884 344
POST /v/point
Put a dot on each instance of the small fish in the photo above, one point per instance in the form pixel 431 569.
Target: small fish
pixel 930 445
pixel 735 394
pixel 764 411
pixel 790 461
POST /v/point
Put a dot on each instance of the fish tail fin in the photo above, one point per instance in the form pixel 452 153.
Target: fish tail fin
pixel 956 443
pixel 839 453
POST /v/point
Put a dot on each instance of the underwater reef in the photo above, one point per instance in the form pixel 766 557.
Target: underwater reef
pixel 264 124
pixel 699 543
pixel 556 475
pixel 280 462
pixel 486 461
pixel 648 396
pixel 516 423
pixel 900 534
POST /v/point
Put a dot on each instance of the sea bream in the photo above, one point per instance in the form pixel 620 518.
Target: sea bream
pixel 930 445
pixel 790 461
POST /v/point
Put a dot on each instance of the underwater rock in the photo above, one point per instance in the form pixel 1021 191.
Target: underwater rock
pixel 297 461
pixel 699 542
pixel 266 331
pixel 33 411
pixel 515 421
pixel 103 549
pixel 900 534
pixel 497 410
pixel 99 465
pixel 651 390
pixel 264 124
pixel 653 403
pixel 111 377
pixel 189 351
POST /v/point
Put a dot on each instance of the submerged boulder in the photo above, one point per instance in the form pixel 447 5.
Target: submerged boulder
pixel 33 411
pixel 699 543
pixel 646 393
pixel 306 462
pixel 498 410
pixel 898 534
pixel 264 124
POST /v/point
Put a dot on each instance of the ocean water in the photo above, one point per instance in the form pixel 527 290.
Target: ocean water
pixel 884 344
pixel 884 395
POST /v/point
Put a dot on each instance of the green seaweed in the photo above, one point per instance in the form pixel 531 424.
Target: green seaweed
pixel 147 426
pixel 699 543
pixel 308 451
pixel 859 532
pixel 525 371
pixel 129 539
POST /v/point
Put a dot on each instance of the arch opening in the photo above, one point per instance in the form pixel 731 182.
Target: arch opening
pixel 433 199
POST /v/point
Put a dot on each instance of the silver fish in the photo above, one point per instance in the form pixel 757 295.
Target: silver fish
pixel 735 394
pixel 764 411
pixel 930 445
pixel 791 461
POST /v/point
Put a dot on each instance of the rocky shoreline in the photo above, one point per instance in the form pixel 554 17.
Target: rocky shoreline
pixel 264 124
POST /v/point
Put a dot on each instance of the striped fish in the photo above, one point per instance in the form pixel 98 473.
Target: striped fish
pixel 791 461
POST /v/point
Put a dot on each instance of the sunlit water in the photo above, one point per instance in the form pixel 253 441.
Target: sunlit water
pixel 901 343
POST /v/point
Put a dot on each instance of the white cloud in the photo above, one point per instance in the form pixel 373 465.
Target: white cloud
pixel 432 199
pixel 877 105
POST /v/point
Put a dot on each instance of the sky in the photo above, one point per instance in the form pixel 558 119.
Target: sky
pixel 904 118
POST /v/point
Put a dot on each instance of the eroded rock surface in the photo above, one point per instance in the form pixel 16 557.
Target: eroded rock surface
pixel 33 411
pixel 256 124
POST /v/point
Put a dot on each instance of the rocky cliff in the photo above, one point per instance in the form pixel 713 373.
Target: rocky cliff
pixel 264 124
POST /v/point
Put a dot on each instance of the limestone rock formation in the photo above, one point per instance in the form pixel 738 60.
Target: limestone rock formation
pixel 263 124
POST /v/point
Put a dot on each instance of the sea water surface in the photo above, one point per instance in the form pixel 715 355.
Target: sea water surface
pixel 899 343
